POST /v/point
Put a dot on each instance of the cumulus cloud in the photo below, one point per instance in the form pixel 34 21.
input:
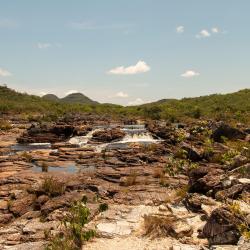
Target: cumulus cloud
pixel 190 74
pixel 139 67
pixel 4 72
pixel 215 30
pixel 137 101
pixel 121 94
pixel 180 29
pixel 44 45
pixel 8 24
pixel 203 34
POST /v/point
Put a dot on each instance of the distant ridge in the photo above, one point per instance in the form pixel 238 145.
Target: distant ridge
pixel 51 97
pixel 71 98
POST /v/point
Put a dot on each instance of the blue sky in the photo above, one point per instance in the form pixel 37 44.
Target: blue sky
pixel 125 52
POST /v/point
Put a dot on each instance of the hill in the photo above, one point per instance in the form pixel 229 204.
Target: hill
pixel 51 97
pixel 71 98
pixel 233 107
pixel 77 98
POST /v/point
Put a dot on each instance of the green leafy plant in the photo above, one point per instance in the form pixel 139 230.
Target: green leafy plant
pixel 74 234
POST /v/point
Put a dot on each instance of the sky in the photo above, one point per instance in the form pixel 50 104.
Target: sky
pixel 125 52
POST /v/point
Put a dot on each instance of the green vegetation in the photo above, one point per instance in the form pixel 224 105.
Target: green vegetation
pixel 233 107
pixel 74 233
pixel 103 207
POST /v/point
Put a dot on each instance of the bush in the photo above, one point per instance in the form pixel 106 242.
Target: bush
pixel 103 207
pixel 52 187
pixel 74 234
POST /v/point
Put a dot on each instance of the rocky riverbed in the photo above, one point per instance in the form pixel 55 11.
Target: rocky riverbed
pixel 166 186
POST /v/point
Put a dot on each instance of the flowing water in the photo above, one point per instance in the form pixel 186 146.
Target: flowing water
pixel 30 146
pixel 82 140
pixel 134 134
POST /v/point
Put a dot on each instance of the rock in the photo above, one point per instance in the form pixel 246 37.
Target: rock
pixel 181 229
pixel 244 181
pixel 35 225
pixel 238 161
pixel 47 133
pixel 112 229
pixel 3 205
pixel 199 203
pixel 205 179
pixel 5 218
pixel 22 206
pixel 224 130
pixel 40 201
pixel 192 153
pixel 232 192
pixel 108 135
pixel 222 227
pixel 183 247
pixel 61 201
pixel 28 246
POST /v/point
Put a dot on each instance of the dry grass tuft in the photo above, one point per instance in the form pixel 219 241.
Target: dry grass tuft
pixel 158 225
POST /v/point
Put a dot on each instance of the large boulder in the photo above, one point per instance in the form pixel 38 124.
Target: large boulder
pixel 23 205
pixel 222 227
pixel 47 133
pixel 224 130
pixel 108 135
pixel 206 178
pixel 192 153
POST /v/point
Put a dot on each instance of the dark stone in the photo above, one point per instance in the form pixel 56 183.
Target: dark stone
pixel 222 227
pixel 224 130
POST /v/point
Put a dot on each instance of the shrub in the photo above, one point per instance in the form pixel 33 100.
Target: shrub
pixel 74 234
pixel 103 207
pixel 27 157
pixel 44 167
pixel 52 187
pixel 5 125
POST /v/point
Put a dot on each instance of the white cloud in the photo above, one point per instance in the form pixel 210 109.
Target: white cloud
pixel 121 94
pixel 4 72
pixel 215 30
pixel 8 24
pixel 82 25
pixel 71 92
pixel 180 29
pixel 44 45
pixel 190 73
pixel 42 93
pixel 137 101
pixel 140 67
pixel 203 34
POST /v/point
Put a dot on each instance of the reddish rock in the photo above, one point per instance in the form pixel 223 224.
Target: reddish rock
pixel 23 205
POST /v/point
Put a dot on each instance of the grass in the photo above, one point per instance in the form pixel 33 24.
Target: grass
pixel 45 167
pixel 5 125
pixel 52 187
pixel 182 192
pixel 130 180
pixel 26 156
pixel 156 226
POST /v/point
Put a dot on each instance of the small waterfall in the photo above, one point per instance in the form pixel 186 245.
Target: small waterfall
pixel 82 140
pixel 138 137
